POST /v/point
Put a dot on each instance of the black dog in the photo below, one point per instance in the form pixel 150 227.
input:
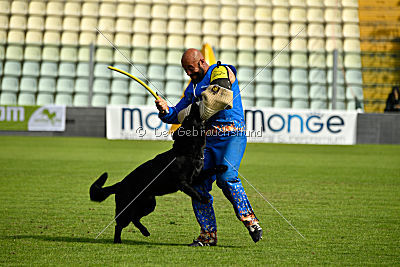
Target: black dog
pixel 176 169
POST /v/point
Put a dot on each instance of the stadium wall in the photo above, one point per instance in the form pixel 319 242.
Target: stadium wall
pixel 378 128
pixel 91 122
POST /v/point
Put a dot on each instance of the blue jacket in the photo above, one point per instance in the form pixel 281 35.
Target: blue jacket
pixel 230 120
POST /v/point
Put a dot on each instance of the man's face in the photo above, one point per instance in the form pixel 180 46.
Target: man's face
pixel 195 71
pixel 396 92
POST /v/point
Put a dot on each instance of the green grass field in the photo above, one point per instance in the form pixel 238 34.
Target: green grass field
pixel 345 200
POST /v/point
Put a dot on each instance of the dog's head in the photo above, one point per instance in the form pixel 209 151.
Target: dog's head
pixel 191 134
pixel 193 119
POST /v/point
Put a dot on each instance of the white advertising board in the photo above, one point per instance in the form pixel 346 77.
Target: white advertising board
pixel 262 125
pixel 33 118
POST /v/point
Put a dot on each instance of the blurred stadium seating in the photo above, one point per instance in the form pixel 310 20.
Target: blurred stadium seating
pixel 44 49
pixel 380 50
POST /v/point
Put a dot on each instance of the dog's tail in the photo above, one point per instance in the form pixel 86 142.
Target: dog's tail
pixel 99 193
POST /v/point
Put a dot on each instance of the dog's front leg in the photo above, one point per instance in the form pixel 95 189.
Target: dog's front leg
pixel 215 170
pixel 205 174
pixel 190 191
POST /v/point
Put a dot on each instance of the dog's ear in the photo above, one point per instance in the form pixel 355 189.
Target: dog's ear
pixel 195 111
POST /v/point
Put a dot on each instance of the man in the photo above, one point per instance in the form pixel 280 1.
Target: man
pixel 225 144
pixel 393 100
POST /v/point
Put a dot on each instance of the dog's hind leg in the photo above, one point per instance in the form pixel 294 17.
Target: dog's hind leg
pixel 122 221
pixel 142 208
pixel 141 227
pixel 117 234
pixel 121 224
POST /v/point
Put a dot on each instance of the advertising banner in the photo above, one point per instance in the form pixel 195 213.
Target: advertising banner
pixel 32 118
pixel 295 126
pixel 135 122
pixel 262 125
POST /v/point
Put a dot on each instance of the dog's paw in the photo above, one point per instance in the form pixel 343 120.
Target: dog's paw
pixel 221 168
pixel 145 232
pixel 117 241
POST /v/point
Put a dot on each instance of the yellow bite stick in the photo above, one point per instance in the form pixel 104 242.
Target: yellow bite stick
pixel 136 79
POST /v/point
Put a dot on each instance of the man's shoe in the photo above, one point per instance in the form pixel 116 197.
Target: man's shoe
pixel 205 239
pixel 198 243
pixel 255 232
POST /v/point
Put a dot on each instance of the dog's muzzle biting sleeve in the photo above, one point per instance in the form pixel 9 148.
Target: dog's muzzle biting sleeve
pixel 215 98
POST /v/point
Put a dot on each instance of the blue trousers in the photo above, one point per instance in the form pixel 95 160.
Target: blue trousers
pixel 221 150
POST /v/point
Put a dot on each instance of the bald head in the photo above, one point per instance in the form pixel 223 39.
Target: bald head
pixel 191 56
pixel 194 64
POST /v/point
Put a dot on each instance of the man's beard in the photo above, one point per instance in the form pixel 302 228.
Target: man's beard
pixel 200 75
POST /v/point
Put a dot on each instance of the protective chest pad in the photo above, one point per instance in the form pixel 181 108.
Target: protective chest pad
pixel 220 76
